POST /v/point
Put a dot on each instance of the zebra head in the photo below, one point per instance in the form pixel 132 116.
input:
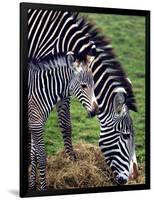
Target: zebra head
pixel 117 138
pixel 82 84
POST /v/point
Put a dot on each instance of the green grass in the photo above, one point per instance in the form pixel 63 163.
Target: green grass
pixel 84 128
pixel 127 34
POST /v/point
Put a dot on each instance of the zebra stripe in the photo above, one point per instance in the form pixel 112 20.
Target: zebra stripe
pixel 52 82
pixel 76 34
pixel 50 29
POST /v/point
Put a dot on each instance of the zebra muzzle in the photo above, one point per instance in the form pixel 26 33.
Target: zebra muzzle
pixel 134 174
pixel 121 180
pixel 133 168
pixel 93 112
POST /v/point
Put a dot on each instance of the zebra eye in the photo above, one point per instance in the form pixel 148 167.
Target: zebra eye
pixel 126 136
pixel 84 86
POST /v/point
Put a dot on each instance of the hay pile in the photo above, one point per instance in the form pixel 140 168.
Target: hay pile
pixel 90 169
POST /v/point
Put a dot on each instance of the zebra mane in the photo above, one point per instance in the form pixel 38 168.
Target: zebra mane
pixel 108 58
pixel 49 57
pixel 50 61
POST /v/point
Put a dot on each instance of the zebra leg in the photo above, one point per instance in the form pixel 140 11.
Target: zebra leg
pixel 40 156
pixel 41 159
pixel 64 120
pixel 32 178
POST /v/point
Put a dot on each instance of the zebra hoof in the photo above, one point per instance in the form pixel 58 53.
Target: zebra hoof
pixel 42 188
pixel 32 188
pixel 72 156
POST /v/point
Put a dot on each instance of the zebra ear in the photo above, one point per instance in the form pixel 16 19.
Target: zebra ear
pixel 73 63
pixel 119 100
pixel 89 59
pixel 70 58
pixel 77 67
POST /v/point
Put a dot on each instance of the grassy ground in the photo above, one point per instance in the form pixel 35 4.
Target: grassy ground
pixel 128 39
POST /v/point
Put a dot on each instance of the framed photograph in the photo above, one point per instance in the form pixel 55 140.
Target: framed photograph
pixel 84 99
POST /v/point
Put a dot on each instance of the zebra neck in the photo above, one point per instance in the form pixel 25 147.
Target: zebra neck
pixel 106 121
pixel 73 85
pixel 49 85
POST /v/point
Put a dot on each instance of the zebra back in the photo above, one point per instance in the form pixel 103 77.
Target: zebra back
pixel 48 29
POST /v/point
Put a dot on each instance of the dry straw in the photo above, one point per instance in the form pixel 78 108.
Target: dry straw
pixel 90 169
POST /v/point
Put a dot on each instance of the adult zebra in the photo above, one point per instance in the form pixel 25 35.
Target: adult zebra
pixel 50 82
pixel 59 31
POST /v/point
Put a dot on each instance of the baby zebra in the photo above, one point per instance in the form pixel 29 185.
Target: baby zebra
pixel 49 83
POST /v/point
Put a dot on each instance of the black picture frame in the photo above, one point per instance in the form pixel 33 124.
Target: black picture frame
pixel 23 99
